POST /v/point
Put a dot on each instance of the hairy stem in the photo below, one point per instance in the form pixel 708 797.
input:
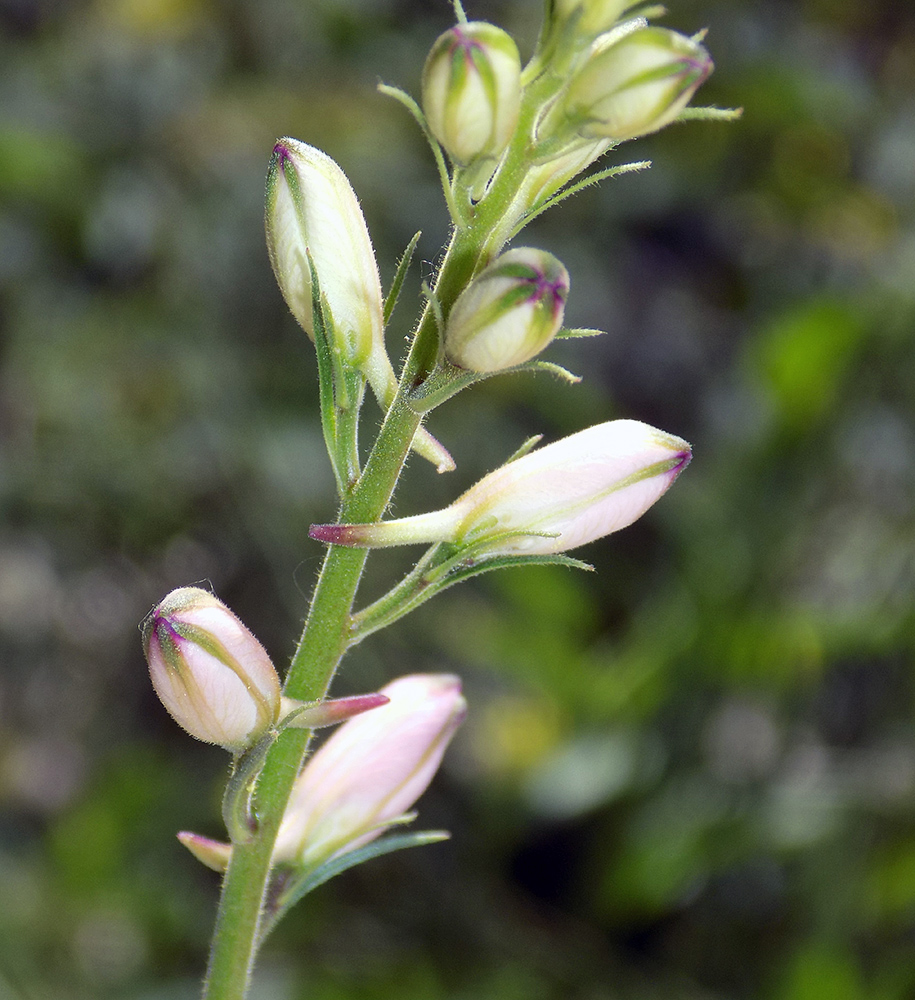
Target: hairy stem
pixel 327 636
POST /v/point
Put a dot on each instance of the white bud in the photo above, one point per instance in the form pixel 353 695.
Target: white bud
pixel 508 313
pixel 472 91
pixel 312 207
pixel 635 85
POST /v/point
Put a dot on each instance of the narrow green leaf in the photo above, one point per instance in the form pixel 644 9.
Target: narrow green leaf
pixel 589 181
pixel 407 101
pixel 397 284
pixel 300 885
pixel 710 114
pixel 553 369
pixel 238 799
pixel 579 331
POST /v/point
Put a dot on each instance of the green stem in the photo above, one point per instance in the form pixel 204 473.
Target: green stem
pixel 327 634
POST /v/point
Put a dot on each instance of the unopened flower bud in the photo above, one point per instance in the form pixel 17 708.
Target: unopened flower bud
pixel 312 207
pixel 508 313
pixel 596 15
pixel 550 500
pixel 472 91
pixel 209 671
pixel 635 85
pixel 371 770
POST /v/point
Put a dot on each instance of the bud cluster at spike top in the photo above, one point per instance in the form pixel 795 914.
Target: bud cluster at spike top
pixel 209 671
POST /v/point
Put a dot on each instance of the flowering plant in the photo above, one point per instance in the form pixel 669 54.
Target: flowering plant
pixel 509 142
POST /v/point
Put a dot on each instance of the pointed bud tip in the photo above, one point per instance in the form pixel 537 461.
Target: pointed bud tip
pixel 330 712
pixel 684 458
pixel 282 154
pixel 214 854
pixel 334 534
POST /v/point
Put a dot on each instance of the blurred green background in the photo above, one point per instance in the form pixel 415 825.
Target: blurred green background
pixel 689 775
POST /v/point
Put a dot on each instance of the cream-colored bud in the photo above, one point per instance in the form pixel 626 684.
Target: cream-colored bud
pixel 312 207
pixel 472 91
pixel 508 313
pixel 635 85
pixel 209 671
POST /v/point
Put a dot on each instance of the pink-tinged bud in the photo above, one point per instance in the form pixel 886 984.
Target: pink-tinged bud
pixel 635 85
pixel 209 671
pixel 550 500
pixel 508 313
pixel 371 770
pixel 472 91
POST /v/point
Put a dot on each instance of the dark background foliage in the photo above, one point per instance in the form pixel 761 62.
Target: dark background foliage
pixel 689 775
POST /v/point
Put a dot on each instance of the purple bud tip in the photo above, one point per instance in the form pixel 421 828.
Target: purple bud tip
pixel 684 458
pixel 341 709
pixel 463 41
pixel 335 534
pixel 281 153
pixel 546 289
pixel 164 628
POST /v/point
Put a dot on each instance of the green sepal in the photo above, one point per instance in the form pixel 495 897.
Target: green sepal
pixel 340 391
pixel 416 111
pixel 442 566
pixel 297 885
pixel 526 447
pixel 403 266
pixel 710 114
pixel 436 306
pixel 567 333
pixel 548 366
pixel 652 13
pixel 570 189
pixel 238 799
